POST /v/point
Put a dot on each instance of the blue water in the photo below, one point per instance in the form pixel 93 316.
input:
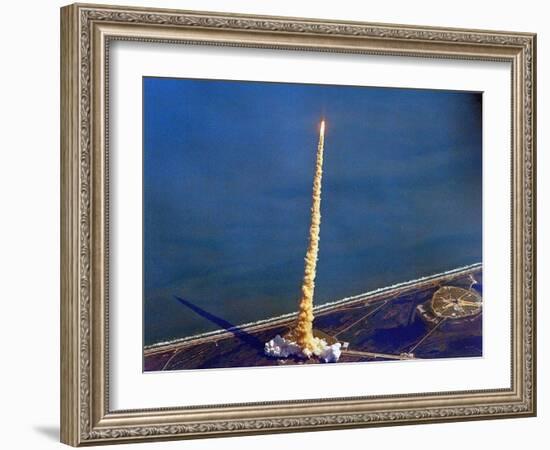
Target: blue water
pixel 228 170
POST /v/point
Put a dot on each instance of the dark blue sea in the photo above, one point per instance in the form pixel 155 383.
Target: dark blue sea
pixel 228 170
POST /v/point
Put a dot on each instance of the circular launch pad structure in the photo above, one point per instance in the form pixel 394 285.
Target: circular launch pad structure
pixel 450 302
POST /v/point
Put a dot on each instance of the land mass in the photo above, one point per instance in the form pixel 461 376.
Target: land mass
pixel 394 323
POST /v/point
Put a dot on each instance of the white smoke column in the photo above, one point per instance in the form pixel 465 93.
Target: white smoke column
pixel 304 327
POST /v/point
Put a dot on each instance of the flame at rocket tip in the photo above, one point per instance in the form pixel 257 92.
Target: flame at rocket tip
pixel 322 130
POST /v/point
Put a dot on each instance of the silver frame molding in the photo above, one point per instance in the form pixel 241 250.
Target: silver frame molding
pixel 86 31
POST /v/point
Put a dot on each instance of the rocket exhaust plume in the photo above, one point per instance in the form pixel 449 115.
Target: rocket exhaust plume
pixel 301 342
pixel 304 326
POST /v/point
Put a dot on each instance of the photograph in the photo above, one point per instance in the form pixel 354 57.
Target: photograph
pixel 289 224
pixel 243 225
pixel 293 222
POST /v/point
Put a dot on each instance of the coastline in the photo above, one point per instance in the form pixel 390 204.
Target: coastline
pixel 260 325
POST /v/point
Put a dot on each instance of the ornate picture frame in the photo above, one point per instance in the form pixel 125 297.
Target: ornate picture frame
pixel 87 31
